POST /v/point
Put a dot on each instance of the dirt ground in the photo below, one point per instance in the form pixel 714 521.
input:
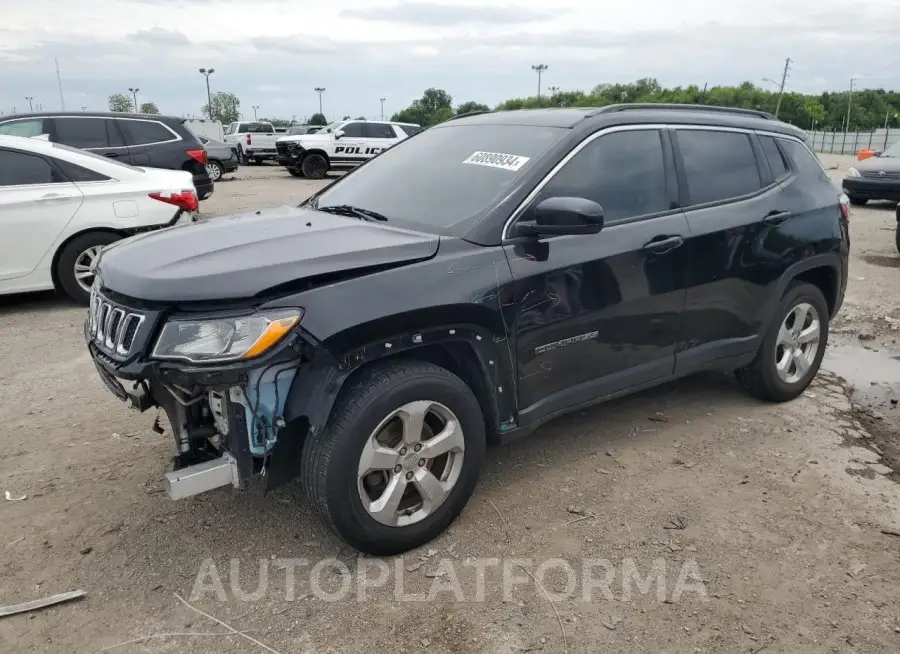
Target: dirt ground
pixel 771 528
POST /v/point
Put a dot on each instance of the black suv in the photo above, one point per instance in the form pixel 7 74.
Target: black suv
pixel 136 139
pixel 373 340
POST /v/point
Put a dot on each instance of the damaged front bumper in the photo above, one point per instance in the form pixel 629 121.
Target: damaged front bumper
pixel 230 422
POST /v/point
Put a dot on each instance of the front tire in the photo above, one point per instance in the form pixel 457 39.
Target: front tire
pixel 73 266
pixel 399 458
pixel 314 166
pixel 295 172
pixel 793 346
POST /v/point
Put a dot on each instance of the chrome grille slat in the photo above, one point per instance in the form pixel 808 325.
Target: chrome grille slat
pixel 111 327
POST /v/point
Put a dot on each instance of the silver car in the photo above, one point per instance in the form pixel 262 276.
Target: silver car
pixel 221 158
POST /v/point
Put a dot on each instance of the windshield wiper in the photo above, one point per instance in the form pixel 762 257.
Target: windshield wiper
pixel 353 212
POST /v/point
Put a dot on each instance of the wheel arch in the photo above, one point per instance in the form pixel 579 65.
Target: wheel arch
pixel 54 262
pixel 320 151
pixel 822 270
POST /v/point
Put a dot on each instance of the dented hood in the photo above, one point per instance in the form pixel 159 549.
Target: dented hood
pixel 243 255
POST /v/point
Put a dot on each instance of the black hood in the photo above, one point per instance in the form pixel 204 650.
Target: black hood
pixel 243 255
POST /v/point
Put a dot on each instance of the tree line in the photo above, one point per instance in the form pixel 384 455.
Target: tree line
pixel 869 108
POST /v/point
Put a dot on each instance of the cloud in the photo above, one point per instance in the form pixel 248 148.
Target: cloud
pixel 438 14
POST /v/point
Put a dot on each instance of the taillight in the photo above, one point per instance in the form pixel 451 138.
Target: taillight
pixel 199 155
pixel 248 139
pixel 185 199
pixel 845 206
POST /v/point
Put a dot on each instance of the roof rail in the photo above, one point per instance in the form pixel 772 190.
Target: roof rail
pixel 756 113
pixel 469 113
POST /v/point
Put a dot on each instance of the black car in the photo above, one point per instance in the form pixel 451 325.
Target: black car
pixel 875 178
pixel 136 139
pixel 375 339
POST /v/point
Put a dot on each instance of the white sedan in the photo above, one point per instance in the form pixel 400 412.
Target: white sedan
pixel 60 206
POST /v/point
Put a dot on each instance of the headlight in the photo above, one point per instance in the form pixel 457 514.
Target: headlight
pixel 224 339
pixel 853 172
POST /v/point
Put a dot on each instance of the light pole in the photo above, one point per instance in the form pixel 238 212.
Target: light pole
pixel 255 109
pixel 539 69
pixel 134 92
pixel 206 72
pixel 30 99
pixel 382 107
pixel 320 90
pixel 849 102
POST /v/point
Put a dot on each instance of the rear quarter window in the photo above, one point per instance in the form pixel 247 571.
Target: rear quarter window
pixel 145 132
pixel 804 161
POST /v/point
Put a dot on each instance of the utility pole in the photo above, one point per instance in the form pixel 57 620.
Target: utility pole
pixel 255 109
pixel 703 96
pixel 539 69
pixel 206 73
pixel 784 75
pixel 849 102
pixel 134 92
pixel 320 90
pixel 382 107
pixel 30 98
pixel 62 103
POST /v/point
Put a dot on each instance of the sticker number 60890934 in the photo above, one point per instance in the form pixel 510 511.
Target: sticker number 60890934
pixel 497 160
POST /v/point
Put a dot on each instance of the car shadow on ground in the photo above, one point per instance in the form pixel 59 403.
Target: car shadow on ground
pixel 36 302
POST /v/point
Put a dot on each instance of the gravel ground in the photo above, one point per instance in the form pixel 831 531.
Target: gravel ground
pixel 765 524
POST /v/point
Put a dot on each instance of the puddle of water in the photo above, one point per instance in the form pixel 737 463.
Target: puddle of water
pixel 861 366
pixel 881 260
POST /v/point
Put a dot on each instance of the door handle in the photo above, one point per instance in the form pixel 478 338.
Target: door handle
pixel 51 197
pixel 111 155
pixel 776 217
pixel 663 245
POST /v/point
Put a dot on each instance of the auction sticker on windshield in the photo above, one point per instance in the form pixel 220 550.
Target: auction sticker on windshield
pixel 497 160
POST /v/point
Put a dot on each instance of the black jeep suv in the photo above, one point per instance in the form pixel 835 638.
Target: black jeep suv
pixel 136 139
pixel 373 340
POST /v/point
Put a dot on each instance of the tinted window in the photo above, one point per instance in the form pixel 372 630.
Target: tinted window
pixel 144 132
pixel 354 130
pixel 411 129
pixel 230 128
pixel 623 172
pixel 257 128
pixel 92 155
pixel 805 162
pixel 20 169
pixel 380 131
pixel 87 133
pixel 439 188
pixel 33 127
pixel 774 157
pixel 78 174
pixel 718 165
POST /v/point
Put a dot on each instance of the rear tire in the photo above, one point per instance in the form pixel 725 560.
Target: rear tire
pixel 314 166
pixel 857 201
pixel 785 334
pixel 215 169
pixel 295 172
pixel 80 251
pixel 897 236
pixel 381 400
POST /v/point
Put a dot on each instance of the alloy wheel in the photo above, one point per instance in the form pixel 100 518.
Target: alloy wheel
pixel 84 267
pixel 410 463
pixel 797 343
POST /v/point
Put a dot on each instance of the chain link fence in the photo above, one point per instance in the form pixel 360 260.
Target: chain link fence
pixel 835 142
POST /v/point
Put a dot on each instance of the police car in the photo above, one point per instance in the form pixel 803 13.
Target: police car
pixel 339 146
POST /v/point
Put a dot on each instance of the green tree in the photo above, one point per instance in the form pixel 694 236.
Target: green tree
pixel 346 118
pixel 226 108
pixel 814 110
pixel 360 118
pixel 149 108
pixel 318 119
pixel 435 106
pixel 120 102
pixel 471 106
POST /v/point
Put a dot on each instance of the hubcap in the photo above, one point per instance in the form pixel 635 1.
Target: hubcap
pixel 214 172
pixel 797 343
pixel 84 267
pixel 410 463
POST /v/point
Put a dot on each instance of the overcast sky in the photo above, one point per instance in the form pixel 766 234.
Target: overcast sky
pixel 273 53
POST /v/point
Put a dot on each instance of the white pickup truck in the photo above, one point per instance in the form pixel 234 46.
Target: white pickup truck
pixel 256 140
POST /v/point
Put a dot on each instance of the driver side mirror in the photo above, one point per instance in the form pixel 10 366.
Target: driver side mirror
pixel 562 216
pixel 338 133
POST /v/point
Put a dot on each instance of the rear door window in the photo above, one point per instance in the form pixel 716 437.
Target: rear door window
pixel 87 133
pixel 718 165
pixel 145 132
pixel 23 169
pixel 28 127
pixel 410 129
pixel 380 131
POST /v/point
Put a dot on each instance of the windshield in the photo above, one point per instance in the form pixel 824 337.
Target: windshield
pixel 444 175
pixel 893 151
